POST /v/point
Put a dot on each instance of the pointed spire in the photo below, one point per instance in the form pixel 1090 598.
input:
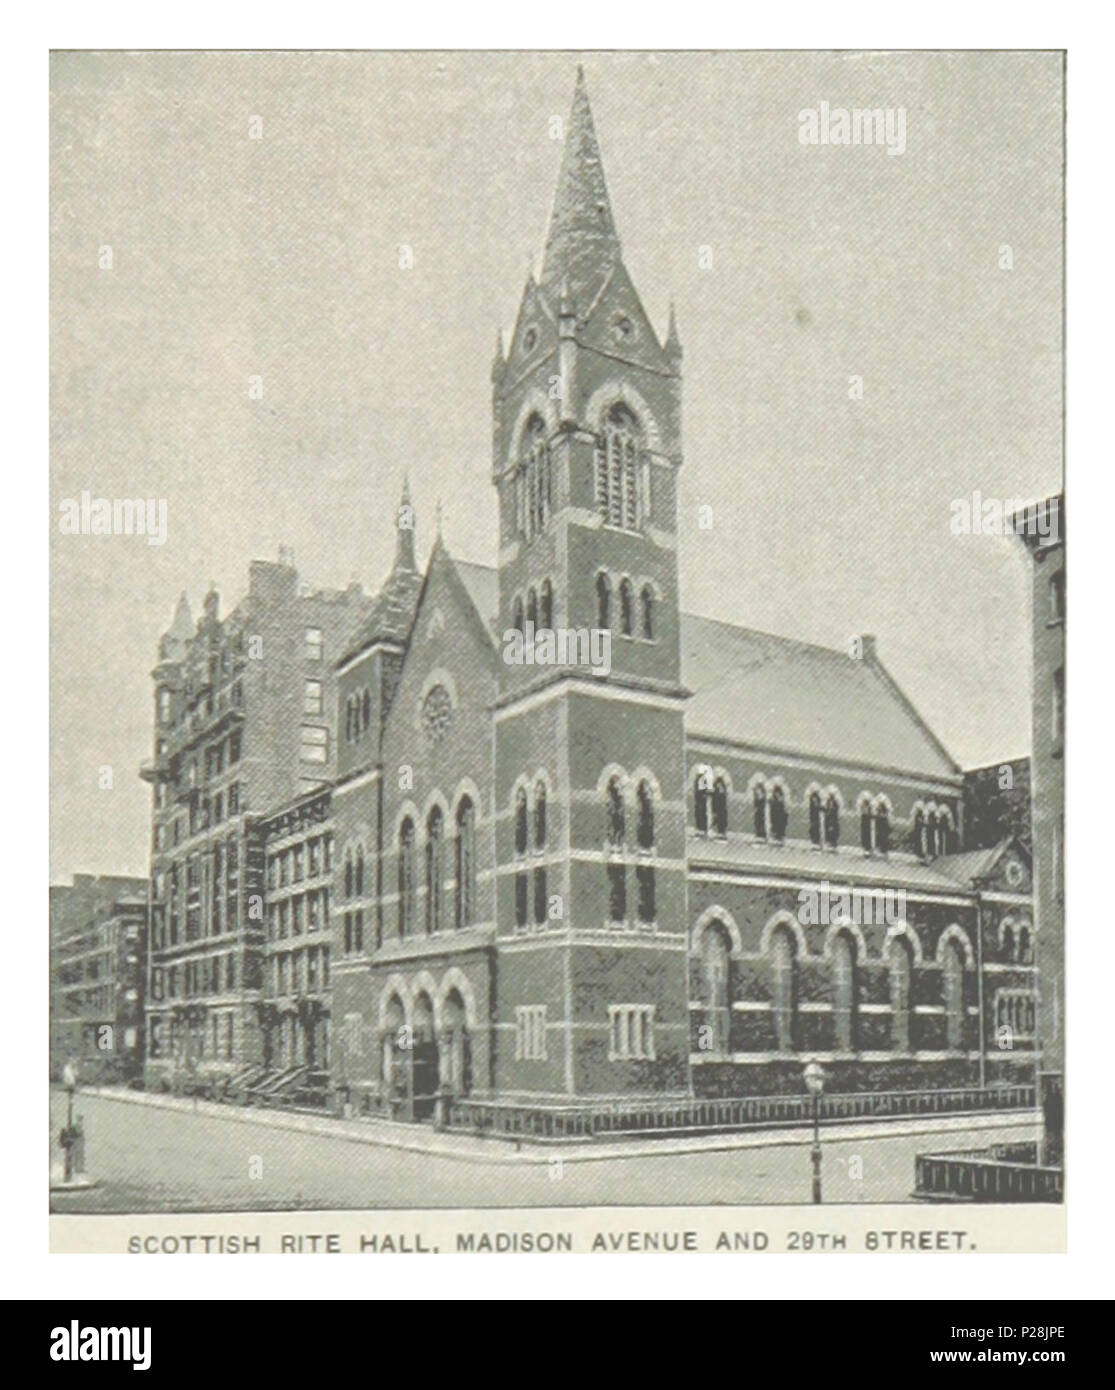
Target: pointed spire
pixel 404 530
pixel 182 626
pixel 672 345
pixel 582 242
pixel 499 362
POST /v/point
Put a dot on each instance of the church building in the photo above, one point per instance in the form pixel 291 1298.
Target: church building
pixel 685 869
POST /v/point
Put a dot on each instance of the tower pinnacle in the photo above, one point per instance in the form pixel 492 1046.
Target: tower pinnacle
pixel 582 243
pixel 404 530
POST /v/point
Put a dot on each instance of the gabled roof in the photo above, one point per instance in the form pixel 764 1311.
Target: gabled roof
pixel 756 687
pixel 978 865
pixel 760 688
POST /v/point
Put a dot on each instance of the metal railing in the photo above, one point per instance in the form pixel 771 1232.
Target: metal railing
pixel 696 1115
pixel 1009 1173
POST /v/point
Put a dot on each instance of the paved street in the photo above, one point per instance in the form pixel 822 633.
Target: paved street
pixel 146 1158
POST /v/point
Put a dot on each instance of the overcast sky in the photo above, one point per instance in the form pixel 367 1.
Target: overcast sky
pixel 234 257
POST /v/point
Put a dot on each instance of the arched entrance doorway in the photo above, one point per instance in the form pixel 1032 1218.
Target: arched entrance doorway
pixel 456 1062
pixel 424 1058
pixel 394 1055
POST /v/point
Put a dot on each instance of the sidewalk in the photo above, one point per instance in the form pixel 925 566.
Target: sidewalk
pixel 470 1148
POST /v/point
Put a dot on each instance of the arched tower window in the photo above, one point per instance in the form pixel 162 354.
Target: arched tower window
pixel 626 608
pixel 539 815
pixel 646 601
pixel 532 609
pixel 720 808
pixel 702 794
pixel 406 877
pixel 618 451
pixel 546 605
pixel 644 831
pixel 358 877
pixel 521 821
pixel 367 708
pixel 783 966
pixel 603 602
pixel 534 478
pixel 616 819
pixel 433 870
pixel 517 614
pixel 348 874
pixel 466 862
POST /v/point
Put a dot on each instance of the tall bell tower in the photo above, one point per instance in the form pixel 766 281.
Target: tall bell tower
pixel 586 451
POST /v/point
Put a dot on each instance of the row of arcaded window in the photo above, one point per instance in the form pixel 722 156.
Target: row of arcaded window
pixel 621 611
pixel 933 832
pixel 845 990
pixel 464 871
pixel 537 610
pixel 358 714
pixel 531 832
pixel 616 832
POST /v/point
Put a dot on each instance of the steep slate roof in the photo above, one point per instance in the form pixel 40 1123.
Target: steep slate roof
pixel 759 688
pixel 755 687
pixel 849 864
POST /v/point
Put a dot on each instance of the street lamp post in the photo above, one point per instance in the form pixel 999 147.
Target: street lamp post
pixel 69 1080
pixel 815 1084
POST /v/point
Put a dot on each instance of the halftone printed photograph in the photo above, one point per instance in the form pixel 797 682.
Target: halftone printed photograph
pixel 557 651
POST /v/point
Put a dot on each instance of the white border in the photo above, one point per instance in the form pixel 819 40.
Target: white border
pixel 29 1271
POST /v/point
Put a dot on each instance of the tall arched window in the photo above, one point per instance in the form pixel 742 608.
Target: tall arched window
pixel 1008 942
pixel 716 956
pixel 720 808
pixel 865 826
pixel 348 874
pixel 546 605
pixel 901 972
pixel 944 832
pixel 844 992
pixel 952 984
pixel 931 832
pixel 535 476
pixel 367 708
pixel 348 720
pixel 626 608
pixel 644 830
pixel 882 828
pixel 646 602
pixel 816 819
pixel 783 986
pixel 616 819
pixel 617 460
pixel 777 813
pixel 702 794
pixel 759 810
pixel 521 836
pixel 517 613
pixel 832 821
pixel 603 602
pixel 920 847
pixel 540 815
pixel 1025 946
pixel 433 869
pixel 466 862
pixel 358 876
pixel 406 877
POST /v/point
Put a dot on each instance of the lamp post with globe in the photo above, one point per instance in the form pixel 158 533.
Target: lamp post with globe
pixel 815 1085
